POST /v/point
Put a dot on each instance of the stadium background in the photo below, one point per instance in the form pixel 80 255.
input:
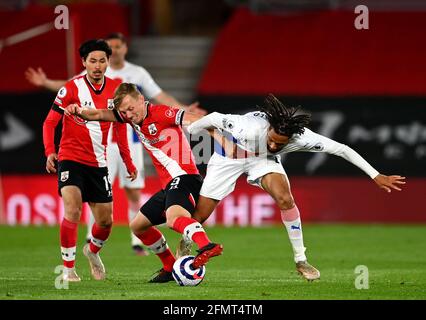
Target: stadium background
pixel 365 88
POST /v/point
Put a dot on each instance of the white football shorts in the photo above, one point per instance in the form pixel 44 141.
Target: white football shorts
pixel 222 173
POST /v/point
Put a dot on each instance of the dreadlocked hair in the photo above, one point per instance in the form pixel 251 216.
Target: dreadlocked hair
pixel 283 119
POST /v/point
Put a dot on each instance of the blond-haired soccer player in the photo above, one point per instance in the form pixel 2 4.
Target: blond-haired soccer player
pixel 159 129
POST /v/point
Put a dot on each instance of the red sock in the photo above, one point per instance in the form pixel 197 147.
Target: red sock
pixel 99 236
pixel 154 239
pixel 68 237
pixel 192 229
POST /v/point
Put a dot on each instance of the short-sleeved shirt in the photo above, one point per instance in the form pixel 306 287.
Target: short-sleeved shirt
pixel 162 137
pixel 84 141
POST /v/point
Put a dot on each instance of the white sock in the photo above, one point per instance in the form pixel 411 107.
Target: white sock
pixel 293 224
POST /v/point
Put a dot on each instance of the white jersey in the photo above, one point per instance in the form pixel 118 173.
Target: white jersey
pixel 137 75
pixel 249 132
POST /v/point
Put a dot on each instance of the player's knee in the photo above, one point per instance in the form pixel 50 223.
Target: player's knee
pixel 199 217
pixel 285 202
pixel 104 222
pixel 134 226
pixel 72 213
pixel 170 221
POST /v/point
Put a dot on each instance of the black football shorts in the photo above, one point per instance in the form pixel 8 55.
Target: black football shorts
pixel 92 181
pixel 182 191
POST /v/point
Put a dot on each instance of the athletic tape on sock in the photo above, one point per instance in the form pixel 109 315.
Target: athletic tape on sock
pixel 97 242
pixel 159 246
pixel 189 230
pixel 68 254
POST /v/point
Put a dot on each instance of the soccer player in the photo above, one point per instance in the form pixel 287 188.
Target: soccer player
pixel 159 129
pixel 123 71
pixel 82 167
pixel 260 138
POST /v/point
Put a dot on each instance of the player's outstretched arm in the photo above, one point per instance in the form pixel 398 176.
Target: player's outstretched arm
pixel 189 118
pixel 90 114
pixel 168 100
pixel 389 182
pixel 37 77
pixel 210 121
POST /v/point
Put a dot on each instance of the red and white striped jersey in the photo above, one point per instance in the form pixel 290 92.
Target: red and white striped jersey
pixel 82 141
pixel 162 136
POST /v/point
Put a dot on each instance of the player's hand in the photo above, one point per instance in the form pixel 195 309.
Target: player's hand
pixel 36 77
pixel 195 108
pixel 389 182
pixel 72 109
pixel 50 163
pixel 133 175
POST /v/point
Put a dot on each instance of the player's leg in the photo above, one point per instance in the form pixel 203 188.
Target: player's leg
pixel 101 230
pixel 71 197
pixel 134 204
pixel 133 190
pixel 222 174
pixel 98 193
pixel 278 186
pixel 113 156
pixel 181 196
pixel 70 184
pixel 205 207
pixel 152 213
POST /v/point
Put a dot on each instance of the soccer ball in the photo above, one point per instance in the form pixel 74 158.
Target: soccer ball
pixel 184 274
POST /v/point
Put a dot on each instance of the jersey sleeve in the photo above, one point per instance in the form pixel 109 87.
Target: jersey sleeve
pixel 169 115
pixel 310 141
pixel 64 97
pixel 123 145
pixel 237 125
pixel 146 84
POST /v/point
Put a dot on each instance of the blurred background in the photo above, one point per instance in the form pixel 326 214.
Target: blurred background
pixel 365 88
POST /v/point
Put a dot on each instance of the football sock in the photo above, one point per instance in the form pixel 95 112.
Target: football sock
pixel 133 210
pixel 99 236
pixel 293 224
pixel 154 239
pixel 68 236
pixel 191 229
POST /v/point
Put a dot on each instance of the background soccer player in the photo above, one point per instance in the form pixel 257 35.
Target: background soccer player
pixel 123 71
pixel 260 137
pixel 82 167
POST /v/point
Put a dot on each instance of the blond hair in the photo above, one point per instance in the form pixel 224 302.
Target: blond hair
pixel 123 90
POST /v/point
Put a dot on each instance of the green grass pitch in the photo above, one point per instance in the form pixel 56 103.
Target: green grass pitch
pixel 257 264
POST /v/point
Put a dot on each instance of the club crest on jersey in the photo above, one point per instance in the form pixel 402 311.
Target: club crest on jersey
pixel 110 104
pixel 152 129
pixel 170 113
pixel 318 147
pixel 65 175
pixel 228 124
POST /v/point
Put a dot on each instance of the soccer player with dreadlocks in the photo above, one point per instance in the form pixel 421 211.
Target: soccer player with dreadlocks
pixel 256 141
